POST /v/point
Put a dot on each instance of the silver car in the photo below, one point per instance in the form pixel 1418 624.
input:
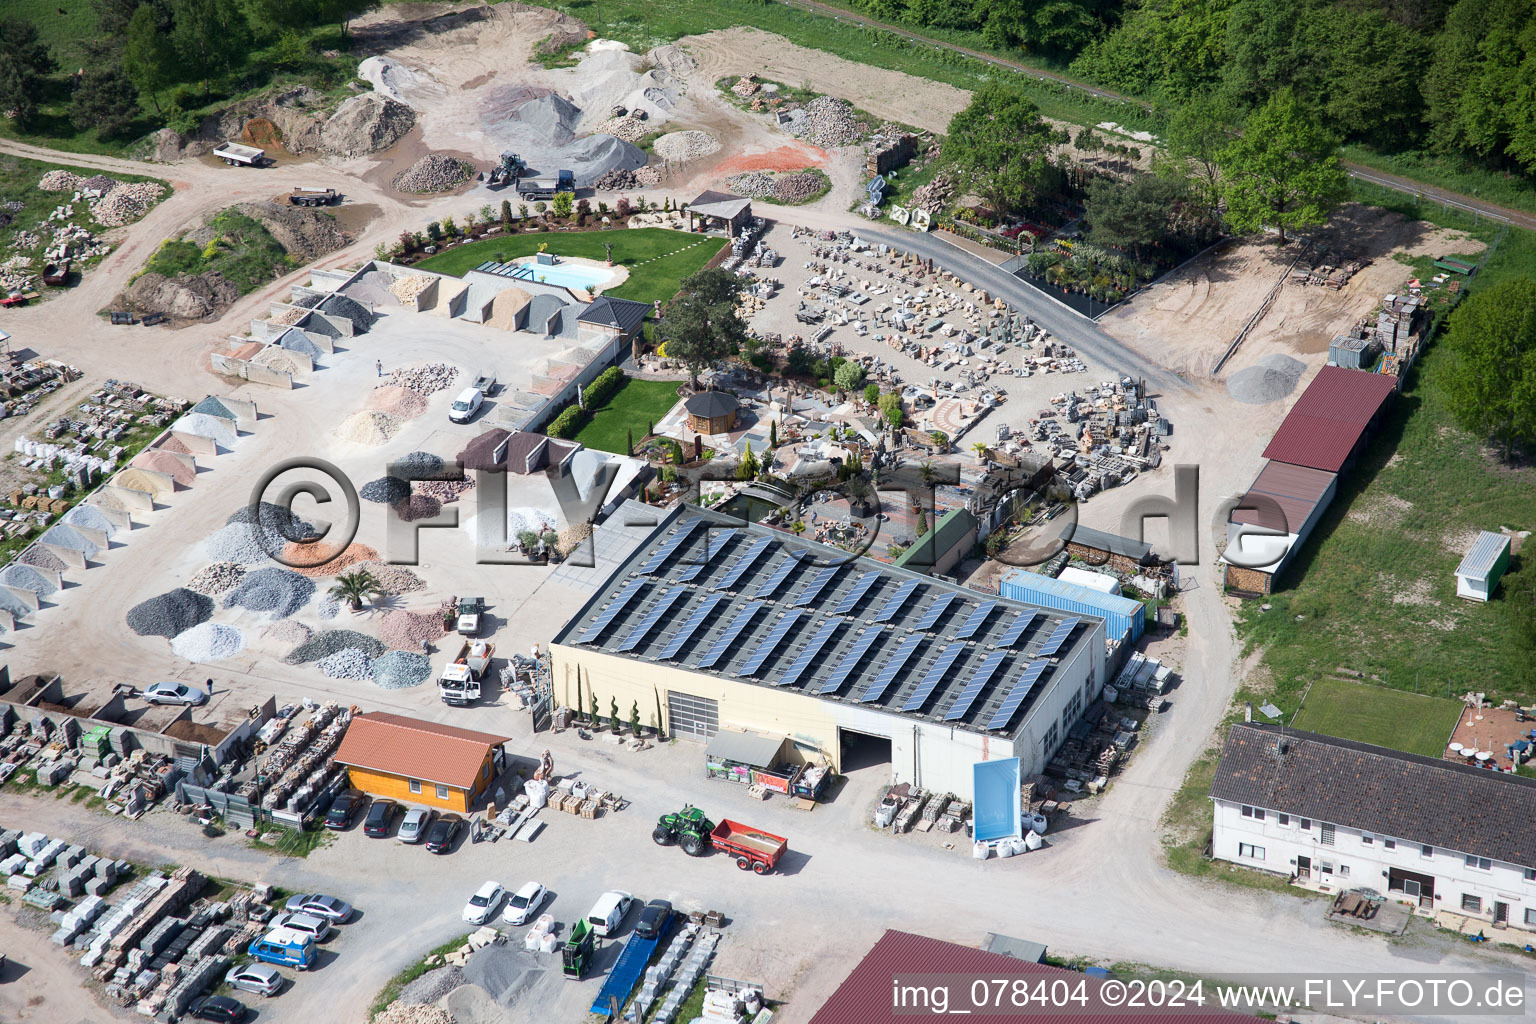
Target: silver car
pixel 317 928
pixel 174 693
pixel 262 979
pixel 318 904
pixel 413 827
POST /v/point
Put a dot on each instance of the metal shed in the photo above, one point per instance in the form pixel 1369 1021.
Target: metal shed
pixel 1479 572
pixel 1121 615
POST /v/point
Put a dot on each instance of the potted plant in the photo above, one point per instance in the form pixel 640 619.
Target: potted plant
pixel 355 587
pixel 526 539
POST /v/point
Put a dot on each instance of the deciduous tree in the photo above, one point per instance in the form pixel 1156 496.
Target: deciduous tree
pixel 1002 148
pixel 702 323
pixel 1283 172
pixel 1491 385
pixel 211 36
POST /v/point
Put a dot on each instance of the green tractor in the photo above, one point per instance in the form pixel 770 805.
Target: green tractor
pixel 688 828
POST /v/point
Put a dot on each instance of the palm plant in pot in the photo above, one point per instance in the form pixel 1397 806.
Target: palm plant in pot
pixel 355 587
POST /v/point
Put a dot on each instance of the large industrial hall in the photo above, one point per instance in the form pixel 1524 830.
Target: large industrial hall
pixel 714 624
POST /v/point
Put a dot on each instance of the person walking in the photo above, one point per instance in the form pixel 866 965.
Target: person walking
pixel 210 687
pixel 378 364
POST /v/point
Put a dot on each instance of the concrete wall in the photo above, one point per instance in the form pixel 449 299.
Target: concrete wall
pixel 613 353
pixel 255 372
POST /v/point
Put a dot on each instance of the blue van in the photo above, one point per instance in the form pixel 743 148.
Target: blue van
pixel 284 947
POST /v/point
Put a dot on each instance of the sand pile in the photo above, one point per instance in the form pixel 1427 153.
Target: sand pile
pixel 1268 380
pixel 170 465
pixel 398 402
pixel 369 427
pixel 171 444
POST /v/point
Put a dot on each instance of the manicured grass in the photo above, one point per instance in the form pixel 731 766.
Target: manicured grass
pixel 1411 722
pixel 634 407
pixel 390 991
pixel 657 259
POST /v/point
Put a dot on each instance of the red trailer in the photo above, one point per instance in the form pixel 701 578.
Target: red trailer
pixel 753 848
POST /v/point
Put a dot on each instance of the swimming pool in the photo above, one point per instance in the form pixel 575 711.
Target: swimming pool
pixel 566 275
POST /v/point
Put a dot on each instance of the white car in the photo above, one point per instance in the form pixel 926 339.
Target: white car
pixel 174 693
pixel 483 904
pixel 525 903
pixel 466 405
pixel 317 928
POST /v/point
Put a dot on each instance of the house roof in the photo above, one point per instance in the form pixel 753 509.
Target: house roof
pixel 865 996
pixel 1101 540
pixel 710 404
pixel 956 524
pixel 396 745
pixel 1297 490
pixel 1329 418
pixel 1484 554
pixel 720 204
pixel 1386 792
pixel 625 314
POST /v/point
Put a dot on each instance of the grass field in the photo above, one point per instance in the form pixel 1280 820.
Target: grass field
pixel 1411 722
pixel 635 406
pixel 657 259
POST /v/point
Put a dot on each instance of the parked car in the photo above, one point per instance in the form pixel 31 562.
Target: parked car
pixel 466 405
pixel 608 913
pixel 654 917
pixel 381 815
pixel 443 832
pixel 344 810
pixel 174 693
pixel 483 904
pixel 415 825
pixel 262 979
pixel 219 1008
pixel 317 928
pixel 320 905
pixel 288 949
pixel 525 903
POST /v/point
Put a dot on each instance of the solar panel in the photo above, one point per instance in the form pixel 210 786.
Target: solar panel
pixel 780 574
pixel 861 587
pixel 936 674
pixel 809 652
pixel 1057 638
pixel 898 599
pixel 936 609
pixel 817 585
pixel 1016 628
pixel 1016 694
pixel 979 679
pixel 652 616
pixel 892 667
pixel 712 548
pixel 605 618
pixel 973 623
pixel 695 620
pixel 744 562
pixel 723 644
pixel 851 660
pixel 770 643
pixel 669 547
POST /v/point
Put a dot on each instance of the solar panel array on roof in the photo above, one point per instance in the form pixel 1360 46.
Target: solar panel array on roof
pixel 1016 694
pixel 979 679
pixel 973 623
pixel 691 626
pixel 669 547
pixel 712 548
pixel 892 606
pixel 780 574
pixel 1016 628
pixel 1057 638
pixel 808 654
pixel 615 607
pixel 935 611
pixel 723 644
pixel 936 673
pixel 892 668
pixel 653 615
pixel 856 594
pixel 851 660
pixel 744 562
pixel 770 643
pixel 816 586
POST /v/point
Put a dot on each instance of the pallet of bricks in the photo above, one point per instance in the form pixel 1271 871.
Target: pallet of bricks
pixel 1089 751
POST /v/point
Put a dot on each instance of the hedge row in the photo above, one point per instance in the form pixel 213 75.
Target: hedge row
pixel 603 387
pixel 568 424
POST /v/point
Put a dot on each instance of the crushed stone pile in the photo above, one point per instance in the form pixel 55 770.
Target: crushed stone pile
pixel 397 402
pixel 287 632
pixel 1268 380
pixel 394 579
pixel 90 517
pixel 204 425
pixel 273 517
pixel 625 129
pixel 617 180
pixel 297 341
pixel 165 462
pixel 99 183
pixel 433 985
pixel 407 288
pixel 28 578
pixel 328 608
pixel 433 173
pixel 59 181
pixel 405 631
pixel 417 506
pixel 347 663
pixel 212 641
pixel 216 578
pixel 426 379
pixel 386 490
pixel 170 614
pixel 41 558
pixel 796 187
pixel 65 536
pixel 327 643
pixel 320 559
pixel 752 184
pixel 826 122
pixel 276 359
pixel 687 145
pixel 366 124
pixel 369 427
pixel 243 544
pixel 416 464
pixel 933 196
pixel 126 203
pixel 400 670
pixel 444 490
pixel 279 591
pixel 411 1013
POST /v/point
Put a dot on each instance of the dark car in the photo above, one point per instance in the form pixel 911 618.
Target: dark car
pixel 654 918
pixel 219 1008
pixel 443 832
pixel 344 809
pixel 380 817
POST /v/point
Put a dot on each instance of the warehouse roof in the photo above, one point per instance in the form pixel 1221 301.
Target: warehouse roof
pixel 1329 418
pixel 396 745
pixel 709 593
pixel 1423 800
pixel 1479 561
pixel 1285 496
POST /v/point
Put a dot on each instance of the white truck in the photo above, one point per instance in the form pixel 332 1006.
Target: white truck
pixel 236 155
pixel 459 684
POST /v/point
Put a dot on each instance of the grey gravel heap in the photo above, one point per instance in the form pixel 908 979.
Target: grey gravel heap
pixel 170 614
pixel 432 173
pixel 347 663
pixel 386 490
pixel 399 670
pixel 324 644
pixel 279 591
pixel 828 123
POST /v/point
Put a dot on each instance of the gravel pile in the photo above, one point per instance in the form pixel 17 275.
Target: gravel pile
pixel 617 180
pixel 409 1013
pixel 273 517
pixel 433 985
pixel 328 609
pixel 933 196
pixel 99 183
pixel 752 184
pixel 59 181
pixel 797 187
pixel 386 490
pixel 394 579
pixel 432 173
pixel 416 464
pixel 277 360
pixel 406 630
pixel 427 379
pixel 171 613
pixel 203 425
pixel 444 490
pixel 214 406
pixel 41 558
pixel 347 663
pixel 16 606
pixel 28 578
pixel 320 560
pixel 828 123
pixel 407 288
pixel 1269 380
pixel 126 203
pixel 65 536
pixel 418 506
pixel 685 145
pixel 90 517
pixel 279 591
pixel 625 129
pixel 287 632
pixel 327 643
pixel 211 641
pixel 216 578
pixel 647 176
pixel 297 341
pixel 369 427
pixel 400 670
pixel 243 544
pixel 397 401
pixel 520 519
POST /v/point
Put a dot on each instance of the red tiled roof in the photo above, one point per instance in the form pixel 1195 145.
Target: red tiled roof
pixel 396 745
pixel 866 997
pixel 1328 419
pixel 1295 489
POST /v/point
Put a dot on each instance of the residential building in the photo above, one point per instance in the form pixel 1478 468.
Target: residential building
pixel 419 762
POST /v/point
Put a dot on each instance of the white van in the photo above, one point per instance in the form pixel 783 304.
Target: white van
pixel 466 405
pixel 609 911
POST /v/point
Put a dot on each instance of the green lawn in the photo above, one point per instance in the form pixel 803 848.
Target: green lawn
pixel 658 259
pixel 634 407
pixel 1411 722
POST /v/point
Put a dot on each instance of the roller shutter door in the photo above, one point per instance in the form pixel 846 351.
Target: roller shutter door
pixel 692 717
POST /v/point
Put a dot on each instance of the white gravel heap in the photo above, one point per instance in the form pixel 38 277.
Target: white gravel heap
pixel 203 425
pixel 244 544
pixel 126 203
pixel 1268 380
pixel 424 380
pixel 347 663
pixel 216 578
pixel 685 145
pixel 433 173
pixel 212 641
pixel 625 129
pixel 90 517
pixel 828 123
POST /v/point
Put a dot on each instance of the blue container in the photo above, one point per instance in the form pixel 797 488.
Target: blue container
pixel 1120 614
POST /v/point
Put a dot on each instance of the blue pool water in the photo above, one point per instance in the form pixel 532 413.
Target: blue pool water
pixel 566 275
